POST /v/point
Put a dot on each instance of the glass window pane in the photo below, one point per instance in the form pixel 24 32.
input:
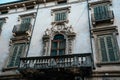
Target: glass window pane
pixel 53 52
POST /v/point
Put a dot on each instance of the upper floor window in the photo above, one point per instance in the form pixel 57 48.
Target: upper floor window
pixel 60 16
pixel 102 12
pixel 58 45
pixel 16 51
pixel 108 48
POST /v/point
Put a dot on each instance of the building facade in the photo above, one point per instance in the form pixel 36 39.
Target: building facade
pixel 60 40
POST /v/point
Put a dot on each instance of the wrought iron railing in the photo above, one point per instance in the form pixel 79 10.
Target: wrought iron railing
pixel 62 61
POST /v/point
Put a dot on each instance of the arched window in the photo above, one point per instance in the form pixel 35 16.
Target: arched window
pixel 58 45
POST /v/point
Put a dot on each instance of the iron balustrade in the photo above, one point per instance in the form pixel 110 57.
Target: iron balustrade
pixel 62 61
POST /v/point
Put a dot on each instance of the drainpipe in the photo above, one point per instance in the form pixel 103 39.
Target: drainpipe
pixel 89 21
pixel 33 28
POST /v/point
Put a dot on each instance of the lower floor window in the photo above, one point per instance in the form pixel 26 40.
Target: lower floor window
pixel 16 51
pixel 108 48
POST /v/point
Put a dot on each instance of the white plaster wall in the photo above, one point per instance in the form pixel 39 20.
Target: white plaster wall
pixel 77 18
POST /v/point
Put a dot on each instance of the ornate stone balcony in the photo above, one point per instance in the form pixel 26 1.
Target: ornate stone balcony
pixel 22 29
pixel 80 64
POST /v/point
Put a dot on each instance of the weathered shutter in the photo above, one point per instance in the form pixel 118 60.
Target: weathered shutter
pixel 103 49
pixel 101 12
pixel 19 52
pixel 110 46
pixel 18 49
pixel 25 24
pixel 12 59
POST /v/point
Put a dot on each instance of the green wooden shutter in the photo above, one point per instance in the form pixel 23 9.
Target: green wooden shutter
pixel 108 48
pixel 111 46
pixel 12 60
pixel 101 12
pixel 18 49
pixel 25 24
pixel 103 49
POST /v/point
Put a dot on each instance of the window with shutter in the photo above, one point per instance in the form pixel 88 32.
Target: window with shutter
pixel 108 48
pixel 17 51
pixel 101 12
pixel 60 16
pixel 58 45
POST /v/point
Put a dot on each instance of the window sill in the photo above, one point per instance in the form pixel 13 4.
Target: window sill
pixel 9 68
pixel 60 22
pixel 107 63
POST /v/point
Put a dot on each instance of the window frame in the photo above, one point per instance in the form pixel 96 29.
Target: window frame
pixel 58 41
pixel 59 12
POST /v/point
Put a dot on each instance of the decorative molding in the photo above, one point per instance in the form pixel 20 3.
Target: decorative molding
pixel 62 8
pixel 99 64
pixel 33 14
pixel 104 30
pixel 99 2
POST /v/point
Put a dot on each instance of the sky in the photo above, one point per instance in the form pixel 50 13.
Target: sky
pixel 6 1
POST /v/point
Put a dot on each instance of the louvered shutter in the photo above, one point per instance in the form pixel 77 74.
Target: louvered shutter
pixel 25 24
pixel 103 49
pixel 13 56
pixel 111 48
pixel 101 12
pixel 18 49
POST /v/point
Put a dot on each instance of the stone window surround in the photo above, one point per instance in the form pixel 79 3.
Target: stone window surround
pixel 62 9
pixel 68 33
pixel 102 31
